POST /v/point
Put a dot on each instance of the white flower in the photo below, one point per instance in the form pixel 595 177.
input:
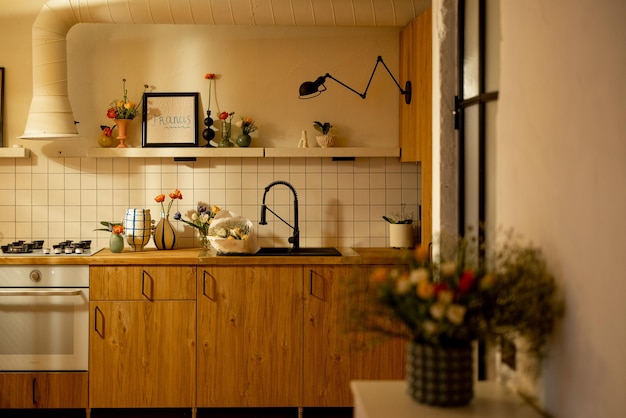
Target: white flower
pixel 430 327
pixel 456 313
pixel 448 268
pixel 204 218
pixel 403 286
pixel 194 217
pixel 437 310
pixel 418 275
pixel 239 123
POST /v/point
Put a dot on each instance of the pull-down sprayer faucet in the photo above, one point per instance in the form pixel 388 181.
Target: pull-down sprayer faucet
pixel 295 238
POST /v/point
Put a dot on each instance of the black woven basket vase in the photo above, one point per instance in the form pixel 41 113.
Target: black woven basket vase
pixel 440 376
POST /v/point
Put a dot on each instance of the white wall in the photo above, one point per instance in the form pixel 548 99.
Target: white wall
pixel 60 194
pixel 561 166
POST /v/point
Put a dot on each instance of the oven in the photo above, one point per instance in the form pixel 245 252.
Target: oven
pixel 44 317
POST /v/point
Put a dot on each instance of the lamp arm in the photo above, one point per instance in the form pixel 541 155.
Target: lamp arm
pixel 364 94
pixel 346 86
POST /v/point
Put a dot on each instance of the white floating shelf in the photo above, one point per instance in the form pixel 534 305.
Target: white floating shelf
pixel 14 152
pixel 339 152
pixel 191 152
pixel 199 152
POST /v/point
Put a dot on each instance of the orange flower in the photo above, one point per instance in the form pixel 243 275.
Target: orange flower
pixel 379 275
pixel 425 289
pixel 160 198
pixel 209 76
pixel 118 229
pixel 422 253
pixel 176 194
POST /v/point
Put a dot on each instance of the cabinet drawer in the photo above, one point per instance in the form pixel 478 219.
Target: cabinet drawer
pixel 146 283
pixel 43 390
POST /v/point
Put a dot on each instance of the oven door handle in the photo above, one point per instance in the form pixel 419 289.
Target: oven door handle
pixel 40 292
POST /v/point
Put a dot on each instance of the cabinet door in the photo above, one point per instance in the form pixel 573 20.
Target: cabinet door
pixel 43 390
pixel 250 336
pixel 337 353
pixel 142 282
pixel 416 118
pixel 142 354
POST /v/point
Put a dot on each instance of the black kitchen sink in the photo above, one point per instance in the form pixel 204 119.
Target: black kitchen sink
pixel 302 252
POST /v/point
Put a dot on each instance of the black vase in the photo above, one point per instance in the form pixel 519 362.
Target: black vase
pixel 440 376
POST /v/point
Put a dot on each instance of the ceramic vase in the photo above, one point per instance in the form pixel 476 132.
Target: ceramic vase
pixel 164 234
pixel 116 243
pixel 243 140
pixel 122 131
pixel 138 228
pixel 440 376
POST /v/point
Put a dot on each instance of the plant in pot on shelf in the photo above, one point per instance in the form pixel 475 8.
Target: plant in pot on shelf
pixel 123 111
pixel 116 240
pixel 247 126
pixel 442 304
pixel 326 139
pixel 164 233
pixel 400 229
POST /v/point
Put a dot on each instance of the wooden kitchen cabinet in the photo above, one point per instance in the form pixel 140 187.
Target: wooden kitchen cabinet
pixel 249 336
pixel 143 336
pixel 334 353
pixel 416 118
pixel 43 390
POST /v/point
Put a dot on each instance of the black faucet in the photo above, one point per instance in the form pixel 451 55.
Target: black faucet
pixel 295 238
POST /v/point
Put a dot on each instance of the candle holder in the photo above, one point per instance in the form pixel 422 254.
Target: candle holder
pixel 208 134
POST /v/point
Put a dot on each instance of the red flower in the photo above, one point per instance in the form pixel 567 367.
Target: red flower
pixel 160 198
pixel 223 115
pixel 209 76
pixel 111 113
pixel 466 282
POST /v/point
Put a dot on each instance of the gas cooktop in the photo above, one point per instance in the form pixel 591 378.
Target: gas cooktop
pixel 37 247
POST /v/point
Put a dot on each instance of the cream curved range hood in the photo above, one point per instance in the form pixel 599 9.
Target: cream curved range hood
pixel 51 116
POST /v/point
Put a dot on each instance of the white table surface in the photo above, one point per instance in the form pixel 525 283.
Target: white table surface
pixel 388 399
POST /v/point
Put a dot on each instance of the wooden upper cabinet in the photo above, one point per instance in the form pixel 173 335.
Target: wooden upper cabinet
pixel 416 118
pixel 416 66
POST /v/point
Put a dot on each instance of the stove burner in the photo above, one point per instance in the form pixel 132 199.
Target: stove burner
pixel 22 247
pixel 64 247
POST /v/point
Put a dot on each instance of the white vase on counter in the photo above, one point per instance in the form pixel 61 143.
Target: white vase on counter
pixel 138 228
pixel 401 235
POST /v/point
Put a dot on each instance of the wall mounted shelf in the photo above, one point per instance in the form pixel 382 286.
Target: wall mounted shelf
pixel 332 152
pixel 199 152
pixel 191 152
pixel 14 152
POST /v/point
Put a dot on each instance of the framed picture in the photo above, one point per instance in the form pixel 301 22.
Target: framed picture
pixel 170 120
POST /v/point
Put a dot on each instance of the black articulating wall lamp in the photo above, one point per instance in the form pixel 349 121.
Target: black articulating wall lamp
pixel 310 89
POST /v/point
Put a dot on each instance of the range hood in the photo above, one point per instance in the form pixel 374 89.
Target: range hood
pixel 51 116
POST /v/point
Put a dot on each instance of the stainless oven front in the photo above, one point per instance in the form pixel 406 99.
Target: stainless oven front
pixel 44 317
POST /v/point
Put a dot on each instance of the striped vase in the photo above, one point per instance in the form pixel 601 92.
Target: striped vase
pixel 164 234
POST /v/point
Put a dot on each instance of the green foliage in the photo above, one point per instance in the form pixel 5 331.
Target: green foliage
pixel 323 128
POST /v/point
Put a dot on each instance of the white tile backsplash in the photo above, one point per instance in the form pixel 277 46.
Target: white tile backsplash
pixel 341 203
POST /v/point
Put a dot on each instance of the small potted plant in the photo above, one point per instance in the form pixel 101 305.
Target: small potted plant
pixel 400 229
pixel 326 139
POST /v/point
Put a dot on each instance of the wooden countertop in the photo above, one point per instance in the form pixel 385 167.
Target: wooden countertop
pixel 196 256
